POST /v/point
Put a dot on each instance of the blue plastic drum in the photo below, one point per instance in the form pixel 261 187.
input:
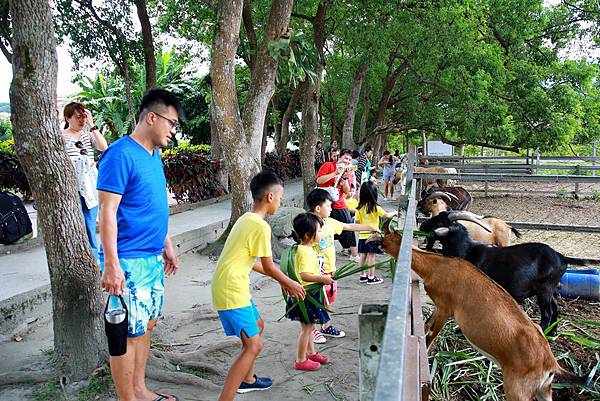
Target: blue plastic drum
pixel 581 283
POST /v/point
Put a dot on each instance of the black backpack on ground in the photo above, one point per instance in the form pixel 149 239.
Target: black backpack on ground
pixel 14 220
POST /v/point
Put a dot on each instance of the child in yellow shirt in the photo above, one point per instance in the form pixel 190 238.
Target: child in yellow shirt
pixel 369 212
pixel 307 231
pixel 249 238
pixel 319 203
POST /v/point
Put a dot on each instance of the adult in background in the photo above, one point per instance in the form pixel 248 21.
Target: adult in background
pixel 388 162
pixel 81 137
pixel 336 175
pixel 136 250
pixel 363 171
pixel 319 156
pixel 332 148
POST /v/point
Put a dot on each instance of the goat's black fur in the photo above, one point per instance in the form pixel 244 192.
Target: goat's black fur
pixel 524 270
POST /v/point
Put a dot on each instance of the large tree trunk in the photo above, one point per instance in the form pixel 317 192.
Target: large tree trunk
pixel 310 112
pixel 310 137
pixel 365 115
pixel 79 342
pixel 216 152
pixel 348 130
pixel 284 136
pixel 241 139
pixel 148 44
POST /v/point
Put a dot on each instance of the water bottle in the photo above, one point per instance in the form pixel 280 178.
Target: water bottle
pixel 115 327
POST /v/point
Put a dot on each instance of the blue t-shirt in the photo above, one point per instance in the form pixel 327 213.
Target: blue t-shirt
pixel 126 168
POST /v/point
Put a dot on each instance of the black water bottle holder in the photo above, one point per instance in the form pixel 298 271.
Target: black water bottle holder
pixel 116 333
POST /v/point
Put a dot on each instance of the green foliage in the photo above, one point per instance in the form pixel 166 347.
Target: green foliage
pixel 191 176
pixel 12 176
pixel 286 166
pixel 98 386
pixel 50 391
pixel 186 146
pixel 5 129
pixel 297 58
pixel 105 96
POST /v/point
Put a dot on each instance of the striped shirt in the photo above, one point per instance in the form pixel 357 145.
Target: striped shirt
pixel 78 148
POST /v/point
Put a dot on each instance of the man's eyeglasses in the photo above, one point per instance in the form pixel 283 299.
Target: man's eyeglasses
pixel 174 123
pixel 82 150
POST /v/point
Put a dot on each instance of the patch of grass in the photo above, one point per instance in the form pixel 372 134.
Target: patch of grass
pixel 196 372
pixel 49 391
pixel 459 372
pixel 98 386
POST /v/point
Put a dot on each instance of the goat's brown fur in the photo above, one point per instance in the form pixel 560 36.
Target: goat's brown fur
pixel 490 319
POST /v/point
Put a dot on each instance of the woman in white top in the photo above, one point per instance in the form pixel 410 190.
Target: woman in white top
pixel 389 163
pixel 81 137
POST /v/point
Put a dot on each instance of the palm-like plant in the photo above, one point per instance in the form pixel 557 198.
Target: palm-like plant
pixel 105 93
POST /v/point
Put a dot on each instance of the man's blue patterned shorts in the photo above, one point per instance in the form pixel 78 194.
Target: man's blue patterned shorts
pixel 144 293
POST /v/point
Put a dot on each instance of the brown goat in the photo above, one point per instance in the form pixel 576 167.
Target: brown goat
pixel 490 319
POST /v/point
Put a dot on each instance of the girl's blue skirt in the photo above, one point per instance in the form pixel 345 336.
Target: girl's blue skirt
pixel 315 314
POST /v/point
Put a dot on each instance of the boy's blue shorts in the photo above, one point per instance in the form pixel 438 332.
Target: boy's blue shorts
pixel 234 321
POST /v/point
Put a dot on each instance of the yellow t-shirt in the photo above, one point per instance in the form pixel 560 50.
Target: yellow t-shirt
pixel 325 247
pixel 370 219
pixel 307 261
pixel 250 238
pixel 351 203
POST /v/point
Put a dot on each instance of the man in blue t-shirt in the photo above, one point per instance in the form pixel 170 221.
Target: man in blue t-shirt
pixel 136 251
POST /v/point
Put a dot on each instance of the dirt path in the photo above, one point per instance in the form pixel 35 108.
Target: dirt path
pixel 187 303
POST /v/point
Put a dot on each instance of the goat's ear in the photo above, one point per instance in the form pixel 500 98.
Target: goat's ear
pixel 385 227
pixel 441 232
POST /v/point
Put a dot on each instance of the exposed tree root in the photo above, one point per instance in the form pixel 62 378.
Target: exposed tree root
pixel 178 358
pixel 23 377
pixel 160 365
pixel 163 375
pixel 205 366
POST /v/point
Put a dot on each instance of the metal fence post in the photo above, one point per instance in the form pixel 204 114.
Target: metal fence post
pixel 371 324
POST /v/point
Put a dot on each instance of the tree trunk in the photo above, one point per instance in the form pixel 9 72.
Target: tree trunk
pixel 284 136
pixel 310 125
pixel 241 139
pixel 250 33
pixel 310 112
pixel 129 97
pixel 216 153
pixel 348 130
pixel 365 115
pixel 148 44
pixel 263 145
pixel 79 341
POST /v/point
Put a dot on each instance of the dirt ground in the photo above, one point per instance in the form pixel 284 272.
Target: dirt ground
pixel 190 324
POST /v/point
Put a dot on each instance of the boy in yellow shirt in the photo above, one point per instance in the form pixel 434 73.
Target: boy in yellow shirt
pixel 250 238
pixel 319 203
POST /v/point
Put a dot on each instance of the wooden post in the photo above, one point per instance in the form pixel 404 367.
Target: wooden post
pixel 577 172
pixel 485 167
pixel 594 161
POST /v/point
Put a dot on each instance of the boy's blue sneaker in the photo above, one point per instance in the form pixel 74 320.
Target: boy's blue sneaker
pixel 261 383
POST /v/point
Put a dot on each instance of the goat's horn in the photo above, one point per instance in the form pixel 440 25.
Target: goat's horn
pixel 439 195
pixel 453 216
pixel 451 195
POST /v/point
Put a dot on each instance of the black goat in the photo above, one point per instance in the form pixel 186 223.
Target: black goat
pixel 524 270
pixel 485 229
